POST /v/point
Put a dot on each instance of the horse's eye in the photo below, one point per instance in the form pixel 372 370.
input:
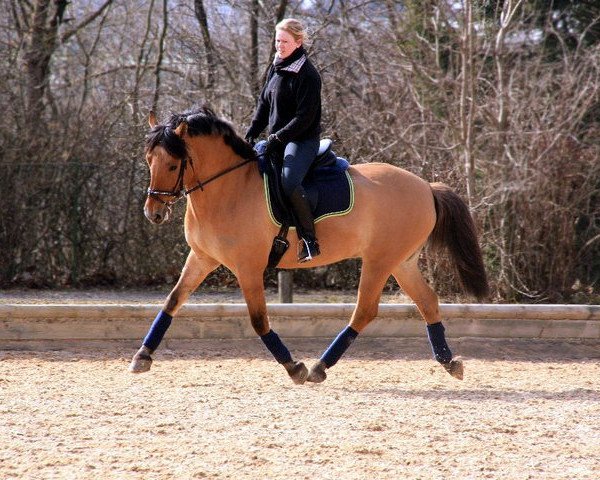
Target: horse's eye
pixel 172 168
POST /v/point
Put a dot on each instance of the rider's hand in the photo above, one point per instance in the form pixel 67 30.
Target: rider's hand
pixel 273 144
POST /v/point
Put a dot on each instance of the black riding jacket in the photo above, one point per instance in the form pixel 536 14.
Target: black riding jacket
pixel 290 102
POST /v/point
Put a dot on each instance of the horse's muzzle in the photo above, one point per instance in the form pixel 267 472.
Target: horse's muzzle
pixel 157 213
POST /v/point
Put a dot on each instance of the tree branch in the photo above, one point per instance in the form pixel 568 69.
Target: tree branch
pixel 90 18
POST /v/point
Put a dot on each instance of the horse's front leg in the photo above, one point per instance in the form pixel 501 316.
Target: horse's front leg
pixel 196 268
pixel 254 294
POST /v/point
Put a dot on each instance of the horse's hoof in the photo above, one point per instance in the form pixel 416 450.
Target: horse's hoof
pixel 317 373
pixel 455 368
pixel 141 361
pixel 297 371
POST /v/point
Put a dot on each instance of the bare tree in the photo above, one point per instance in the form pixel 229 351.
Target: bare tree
pixel 211 62
pixel 254 66
pixel 438 88
pixel 45 19
pixel 280 13
pixel 467 97
pixel 159 57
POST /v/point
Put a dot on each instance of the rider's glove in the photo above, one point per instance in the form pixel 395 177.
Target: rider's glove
pixel 250 139
pixel 273 144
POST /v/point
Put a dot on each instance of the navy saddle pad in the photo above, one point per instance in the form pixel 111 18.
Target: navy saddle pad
pixel 328 185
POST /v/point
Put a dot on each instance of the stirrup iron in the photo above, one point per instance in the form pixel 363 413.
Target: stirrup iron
pixel 310 248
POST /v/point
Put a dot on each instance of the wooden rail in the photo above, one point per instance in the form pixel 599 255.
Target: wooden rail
pixel 21 322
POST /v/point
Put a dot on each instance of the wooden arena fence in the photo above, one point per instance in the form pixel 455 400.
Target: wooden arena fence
pixel 20 323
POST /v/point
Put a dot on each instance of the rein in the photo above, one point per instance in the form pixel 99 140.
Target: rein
pixel 180 190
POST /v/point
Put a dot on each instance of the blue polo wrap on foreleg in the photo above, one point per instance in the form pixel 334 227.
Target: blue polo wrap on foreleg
pixel 276 347
pixel 339 346
pixel 437 339
pixel 157 330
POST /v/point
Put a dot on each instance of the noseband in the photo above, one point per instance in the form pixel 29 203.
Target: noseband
pixel 180 191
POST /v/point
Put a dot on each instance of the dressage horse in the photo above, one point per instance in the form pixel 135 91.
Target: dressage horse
pixel 199 155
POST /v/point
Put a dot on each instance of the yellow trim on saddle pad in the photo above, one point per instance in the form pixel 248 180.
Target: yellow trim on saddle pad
pixel 318 219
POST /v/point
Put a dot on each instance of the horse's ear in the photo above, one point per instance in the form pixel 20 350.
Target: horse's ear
pixel 181 129
pixel 152 119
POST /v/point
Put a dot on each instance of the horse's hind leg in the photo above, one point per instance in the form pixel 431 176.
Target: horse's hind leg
pixel 196 268
pixel 372 281
pixel 254 293
pixel 412 282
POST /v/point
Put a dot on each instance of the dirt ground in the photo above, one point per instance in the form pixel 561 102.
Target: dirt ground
pixel 223 409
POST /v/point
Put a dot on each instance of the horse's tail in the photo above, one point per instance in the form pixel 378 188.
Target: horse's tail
pixel 455 229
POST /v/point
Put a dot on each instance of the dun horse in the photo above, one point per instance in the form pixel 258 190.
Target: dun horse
pixel 198 155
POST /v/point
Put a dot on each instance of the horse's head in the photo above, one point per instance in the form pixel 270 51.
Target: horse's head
pixel 166 155
pixel 207 137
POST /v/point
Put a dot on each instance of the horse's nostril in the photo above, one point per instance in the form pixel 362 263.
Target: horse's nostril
pixel 157 218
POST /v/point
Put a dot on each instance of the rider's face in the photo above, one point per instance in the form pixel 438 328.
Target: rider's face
pixel 285 44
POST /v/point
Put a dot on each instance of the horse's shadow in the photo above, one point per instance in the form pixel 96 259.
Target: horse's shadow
pixel 479 395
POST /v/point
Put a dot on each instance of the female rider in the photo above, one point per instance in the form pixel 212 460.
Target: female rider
pixel 290 105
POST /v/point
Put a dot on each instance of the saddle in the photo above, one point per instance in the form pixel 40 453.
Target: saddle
pixel 328 185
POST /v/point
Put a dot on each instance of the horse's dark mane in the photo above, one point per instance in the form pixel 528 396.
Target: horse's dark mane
pixel 200 121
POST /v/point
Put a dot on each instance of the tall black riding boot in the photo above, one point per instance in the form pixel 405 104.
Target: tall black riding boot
pixel 308 247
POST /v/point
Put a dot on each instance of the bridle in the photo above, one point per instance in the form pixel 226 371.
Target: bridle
pixel 180 191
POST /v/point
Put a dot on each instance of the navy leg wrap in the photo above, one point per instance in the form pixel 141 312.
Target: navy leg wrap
pixel 276 347
pixel 157 330
pixel 437 339
pixel 339 346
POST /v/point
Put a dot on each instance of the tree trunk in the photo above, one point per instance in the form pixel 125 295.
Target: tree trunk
pixel 159 58
pixel 279 14
pixel 211 62
pixel 140 66
pixel 40 46
pixel 254 13
pixel 467 100
pixel 46 18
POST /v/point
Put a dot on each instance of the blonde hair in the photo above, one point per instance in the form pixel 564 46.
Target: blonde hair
pixel 295 28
